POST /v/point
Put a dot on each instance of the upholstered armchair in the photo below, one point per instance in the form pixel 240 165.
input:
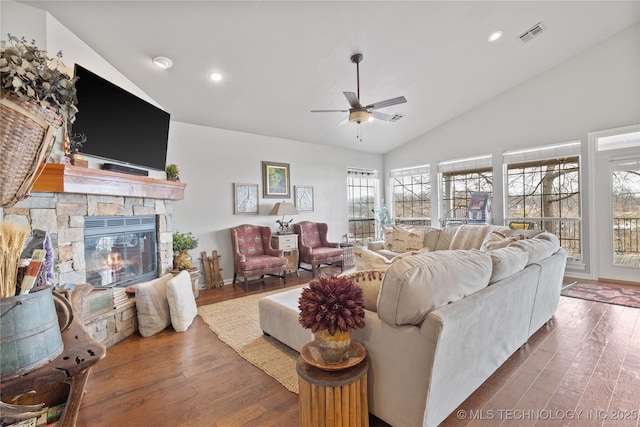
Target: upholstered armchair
pixel 253 254
pixel 314 247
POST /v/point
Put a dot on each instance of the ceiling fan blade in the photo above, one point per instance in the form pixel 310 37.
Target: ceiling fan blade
pixel 353 99
pixel 329 111
pixel 343 121
pixel 386 103
pixel 386 117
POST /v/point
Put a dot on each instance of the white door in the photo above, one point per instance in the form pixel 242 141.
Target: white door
pixel 616 202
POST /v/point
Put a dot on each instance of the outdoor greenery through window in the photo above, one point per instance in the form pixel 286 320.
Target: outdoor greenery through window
pixel 545 193
pixel 362 190
pixel 411 192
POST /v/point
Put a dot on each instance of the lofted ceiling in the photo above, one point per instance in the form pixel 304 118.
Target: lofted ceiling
pixel 282 59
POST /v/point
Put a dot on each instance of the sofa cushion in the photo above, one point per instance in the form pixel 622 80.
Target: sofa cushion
pixel 431 236
pixel 538 248
pixel 415 285
pixel 445 237
pixel 506 261
pixel 182 303
pixel 152 306
pixel 471 236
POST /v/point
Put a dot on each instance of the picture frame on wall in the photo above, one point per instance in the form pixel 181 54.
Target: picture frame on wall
pixel 276 180
pixel 245 199
pixel 303 197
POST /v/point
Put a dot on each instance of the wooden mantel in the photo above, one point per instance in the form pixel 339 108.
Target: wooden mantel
pixel 58 178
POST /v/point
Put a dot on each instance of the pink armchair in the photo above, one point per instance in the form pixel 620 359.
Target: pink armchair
pixel 253 254
pixel 314 247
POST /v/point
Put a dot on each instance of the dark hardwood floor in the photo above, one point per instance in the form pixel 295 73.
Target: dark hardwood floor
pixel 587 358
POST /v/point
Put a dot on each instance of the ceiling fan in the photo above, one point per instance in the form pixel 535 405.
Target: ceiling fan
pixel 359 113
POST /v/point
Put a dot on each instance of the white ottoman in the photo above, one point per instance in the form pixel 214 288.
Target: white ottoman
pixel 279 318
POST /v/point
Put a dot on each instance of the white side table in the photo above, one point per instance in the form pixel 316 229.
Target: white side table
pixel 288 243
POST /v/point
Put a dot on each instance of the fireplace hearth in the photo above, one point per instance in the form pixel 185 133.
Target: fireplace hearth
pixel 120 250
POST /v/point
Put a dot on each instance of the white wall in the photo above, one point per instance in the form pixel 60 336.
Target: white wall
pixel 211 160
pixel 596 89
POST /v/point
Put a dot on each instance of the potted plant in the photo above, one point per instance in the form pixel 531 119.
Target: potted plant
pixel 331 307
pixel 182 244
pixel 36 96
pixel 173 173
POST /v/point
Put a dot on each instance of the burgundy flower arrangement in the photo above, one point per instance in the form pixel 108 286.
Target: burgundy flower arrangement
pixel 331 303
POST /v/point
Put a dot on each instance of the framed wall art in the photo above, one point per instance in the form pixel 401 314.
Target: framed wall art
pixel 245 199
pixel 276 180
pixel 303 195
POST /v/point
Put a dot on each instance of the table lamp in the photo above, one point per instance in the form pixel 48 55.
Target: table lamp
pixel 284 208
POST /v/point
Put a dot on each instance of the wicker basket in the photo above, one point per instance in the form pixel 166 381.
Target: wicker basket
pixel 27 130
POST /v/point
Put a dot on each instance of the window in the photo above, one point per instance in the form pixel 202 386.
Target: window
pixel 461 178
pixel 362 191
pixel 411 195
pixel 543 192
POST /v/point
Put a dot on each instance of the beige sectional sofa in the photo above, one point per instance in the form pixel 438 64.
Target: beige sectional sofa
pixel 439 323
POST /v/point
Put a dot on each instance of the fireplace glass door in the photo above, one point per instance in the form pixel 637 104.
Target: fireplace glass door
pixel 120 251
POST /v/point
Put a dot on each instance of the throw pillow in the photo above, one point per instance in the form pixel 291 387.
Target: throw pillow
pixel 387 234
pixel 369 260
pixel 410 253
pixel 407 239
pixel 152 306
pixel 182 303
pixel 497 240
pixel 370 282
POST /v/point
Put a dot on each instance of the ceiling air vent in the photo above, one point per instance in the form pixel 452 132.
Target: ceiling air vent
pixel 532 32
pixel 396 117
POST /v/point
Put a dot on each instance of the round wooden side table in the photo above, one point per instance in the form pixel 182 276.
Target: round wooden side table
pixel 333 398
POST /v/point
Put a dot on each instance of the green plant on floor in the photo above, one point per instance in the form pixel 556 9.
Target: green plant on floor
pixel 182 244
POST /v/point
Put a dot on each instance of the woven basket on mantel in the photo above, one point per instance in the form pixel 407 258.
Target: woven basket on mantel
pixel 27 130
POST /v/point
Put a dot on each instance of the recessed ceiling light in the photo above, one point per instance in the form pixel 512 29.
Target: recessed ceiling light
pixel 215 76
pixel 495 36
pixel 162 62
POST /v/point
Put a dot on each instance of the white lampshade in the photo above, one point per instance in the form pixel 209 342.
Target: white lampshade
pixel 284 208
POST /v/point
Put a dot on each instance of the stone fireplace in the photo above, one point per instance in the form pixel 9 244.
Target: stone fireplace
pixel 68 200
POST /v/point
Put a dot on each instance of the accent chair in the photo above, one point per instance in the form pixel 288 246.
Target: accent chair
pixel 253 254
pixel 314 248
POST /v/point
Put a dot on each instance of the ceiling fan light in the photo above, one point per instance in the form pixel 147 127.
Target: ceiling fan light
pixel 359 116
pixel 162 62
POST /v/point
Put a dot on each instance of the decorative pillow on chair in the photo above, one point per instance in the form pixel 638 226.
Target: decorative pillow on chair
pixel 369 260
pixel 182 303
pixel 370 282
pixel 152 306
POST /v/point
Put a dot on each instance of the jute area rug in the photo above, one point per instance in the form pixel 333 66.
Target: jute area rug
pixel 236 323
pixel 607 294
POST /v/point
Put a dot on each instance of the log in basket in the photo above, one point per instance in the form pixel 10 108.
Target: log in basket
pixel 27 130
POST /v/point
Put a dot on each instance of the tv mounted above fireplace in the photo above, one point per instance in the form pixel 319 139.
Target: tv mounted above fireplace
pixel 118 125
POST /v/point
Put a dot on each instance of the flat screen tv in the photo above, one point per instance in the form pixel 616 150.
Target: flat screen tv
pixel 118 125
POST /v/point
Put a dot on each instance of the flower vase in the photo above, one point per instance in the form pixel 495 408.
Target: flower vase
pixel 333 348
pixel 182 261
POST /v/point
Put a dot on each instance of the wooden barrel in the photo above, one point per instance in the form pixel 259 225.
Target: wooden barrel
pixel 29 333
